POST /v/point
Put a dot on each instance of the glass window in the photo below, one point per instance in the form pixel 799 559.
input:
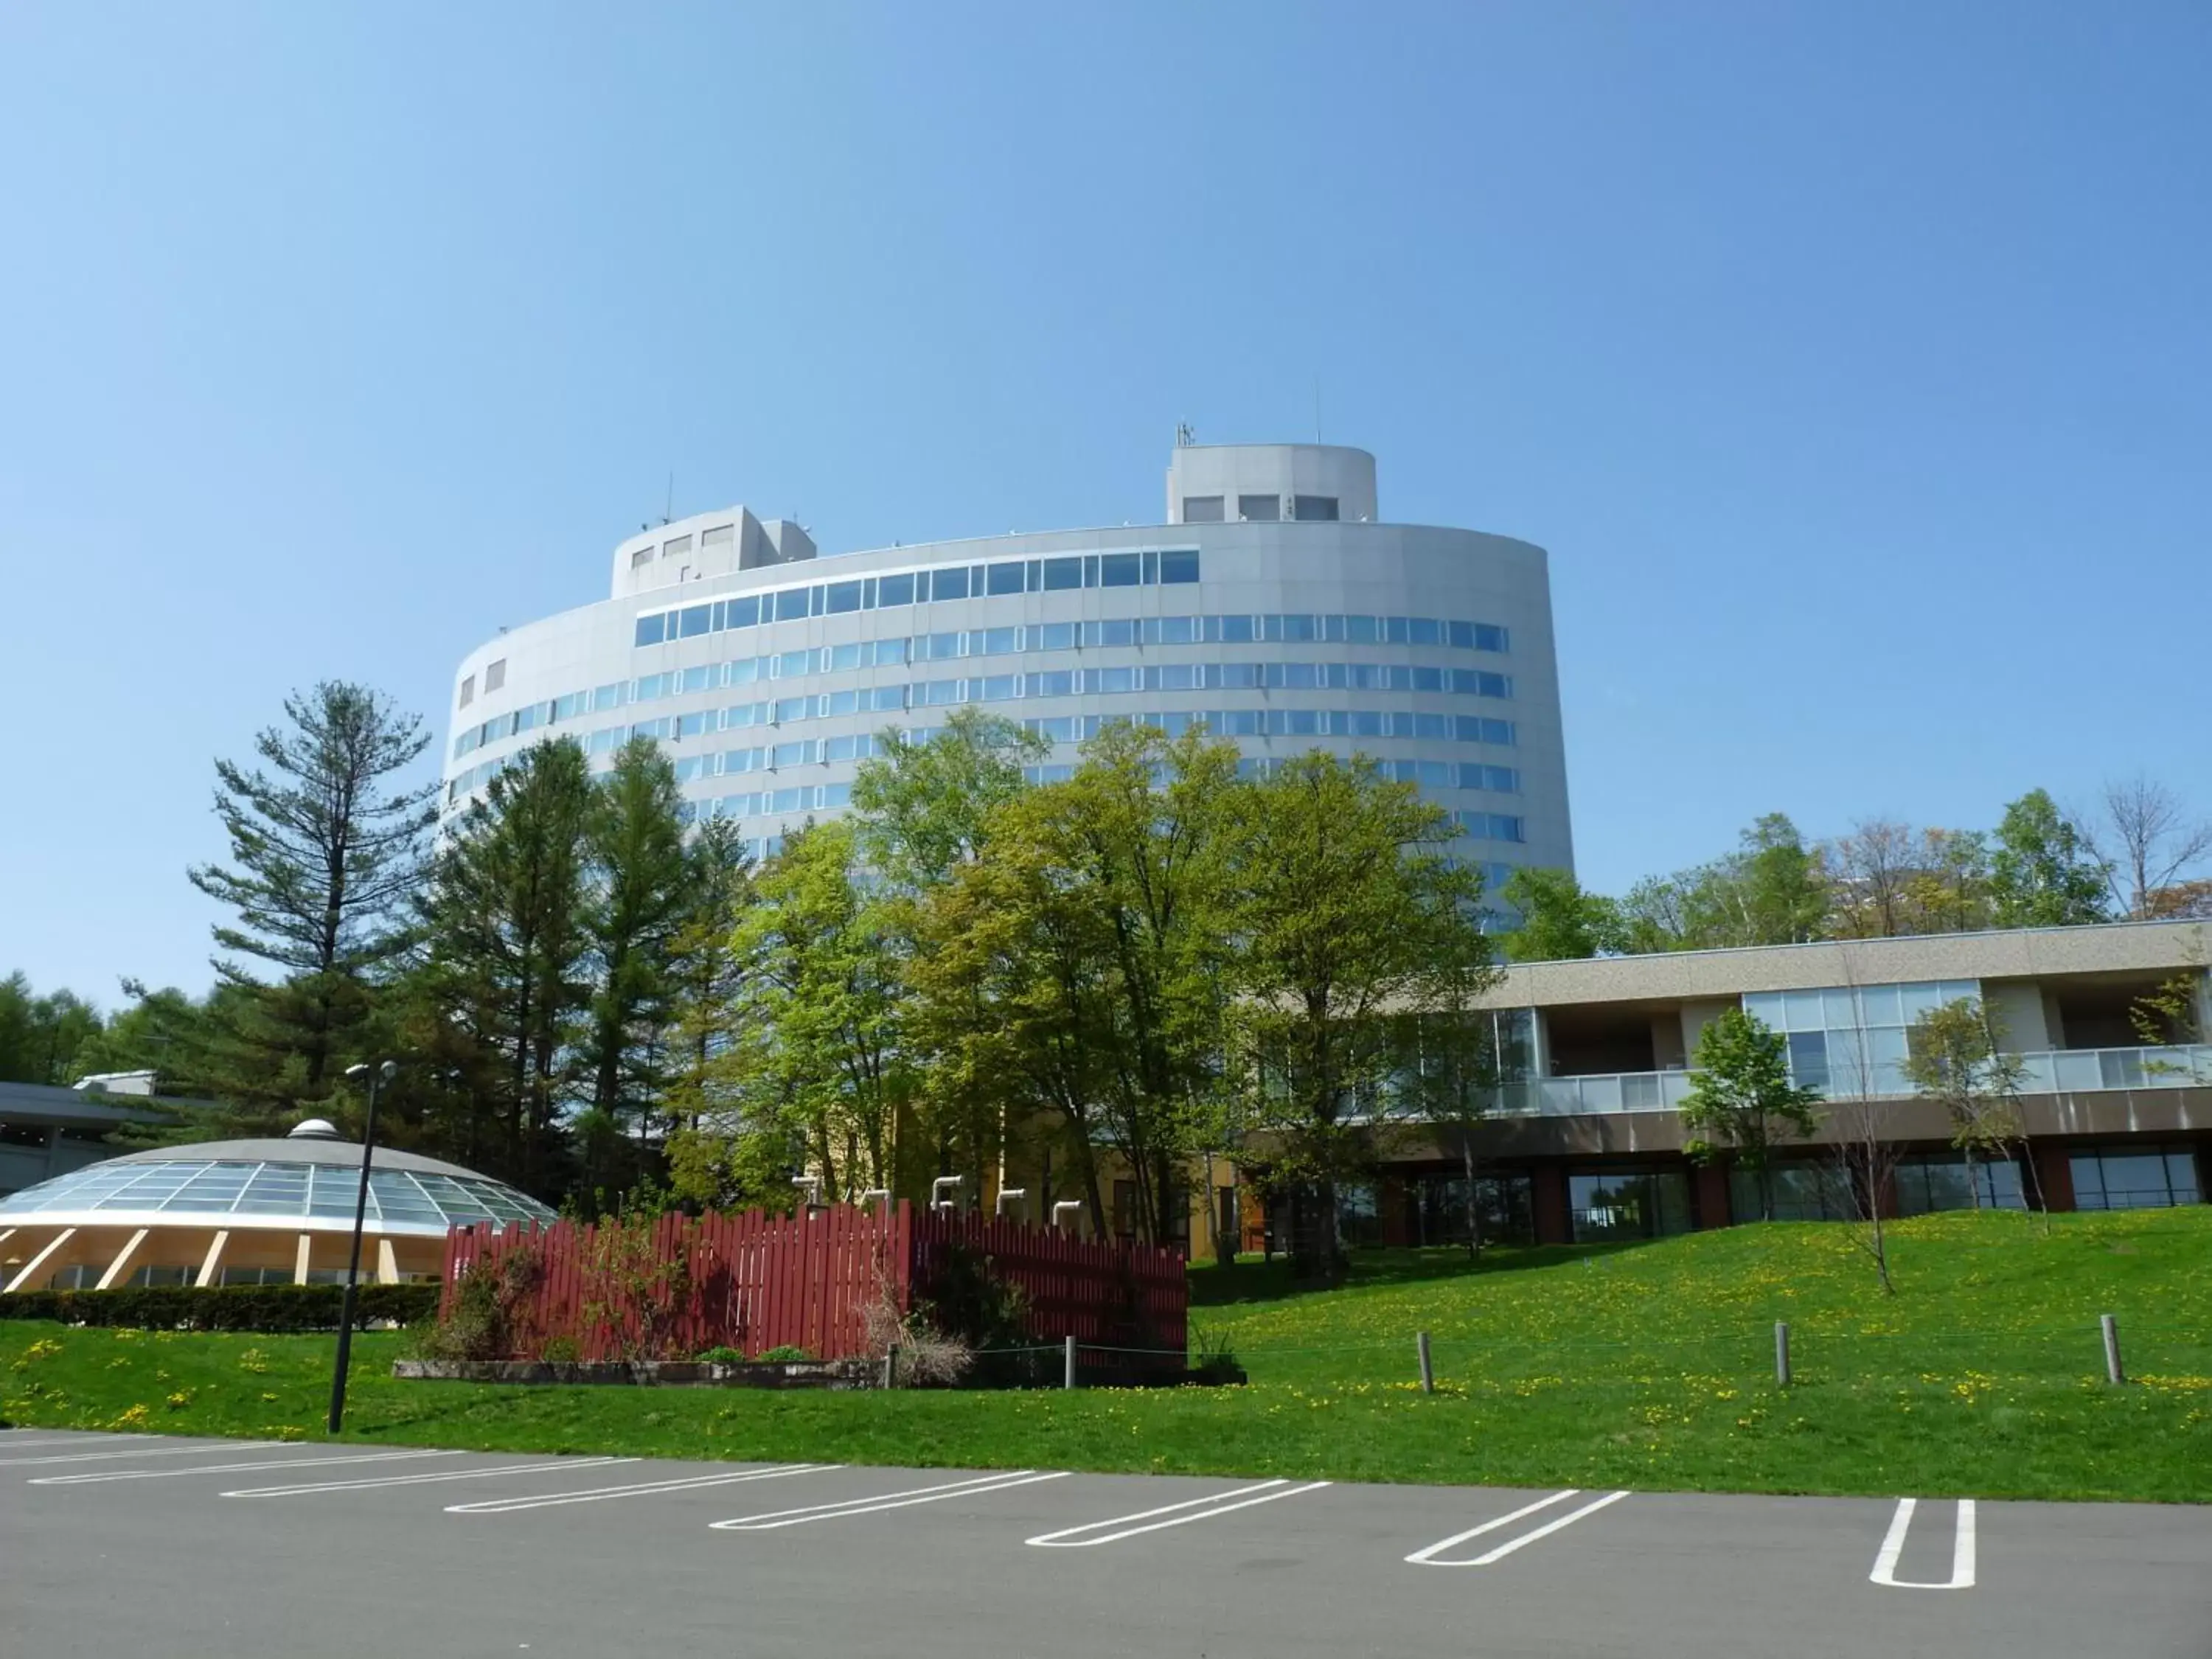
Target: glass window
pixel 794 664
pixel 1314 506
pixel 1009 577
pixel 794 708
pixel 895 589
pixel 694 618
pixel 995 642
pixel 2135 1178
pixel 790 604
pixel 1631 1204
pixel 651 630
pixel 791 754
pixel 1109 633
pixel 1120 570
pixel 1201 509
pixel 1053 636
pixel 1062 574
pixel 1808 1058
pixel 1259 508
pixel 949 582
pixel 841 596
pixel 1171 631
pixel 1057 682
pixel 890 653
pixel 843 657
pixel 1233 630
pixel 1178 566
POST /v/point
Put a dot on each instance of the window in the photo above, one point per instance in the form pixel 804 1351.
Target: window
pixel 1314 506
pixel 994 641
pixel 676 547
pixel 843 597
pixel 1061 573
pixel 1260 508
pixel 1928 1184
pixel 1631 1204
pixel 651 630
pixel 494 676
pixel 1804 1189
pixel 642 557
pixel 1120 570
pixel 1009 577
pixel 2135 1178
pixel 1179 566
pixel 895 589
pixel 791 603
pixel 950 583
pixel 1053 636
pixel 468 689
pixel 721 536
pixel 1201 509
pixel 694 619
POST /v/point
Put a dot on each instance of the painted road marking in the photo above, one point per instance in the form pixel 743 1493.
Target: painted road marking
pixel 643 1489
pixel 370 1482
pixel 227 1468
pixel 8 1442
pixel 975 1487
pixel 1893 1546
pixel 1427 1558
pixel 158 1451
pixel 1202 1509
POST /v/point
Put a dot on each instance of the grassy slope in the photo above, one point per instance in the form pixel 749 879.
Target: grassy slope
pixel 1649 1367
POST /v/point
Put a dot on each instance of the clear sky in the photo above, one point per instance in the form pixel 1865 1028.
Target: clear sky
pixel 1852 362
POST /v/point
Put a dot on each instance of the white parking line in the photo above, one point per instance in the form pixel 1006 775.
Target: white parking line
pixel 643 1489
pixel 374 1481
pixel 975 1487
pixel 1202 1509
pixel 1893 1546
pixel 158 1451
pixel 1427 1558
pixel 9 1443
pixel 227 1469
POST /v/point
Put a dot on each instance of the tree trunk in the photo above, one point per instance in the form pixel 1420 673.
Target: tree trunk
pixel 1474 1198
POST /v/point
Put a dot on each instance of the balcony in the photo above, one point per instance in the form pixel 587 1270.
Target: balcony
pixel 2061 1071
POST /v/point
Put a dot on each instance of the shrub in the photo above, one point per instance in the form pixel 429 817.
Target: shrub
pixel 263 1309
pixel 486 1320
pixel 721 1354
pixel 788 1354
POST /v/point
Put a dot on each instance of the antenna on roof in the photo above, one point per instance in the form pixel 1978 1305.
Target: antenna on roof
pixel 668 511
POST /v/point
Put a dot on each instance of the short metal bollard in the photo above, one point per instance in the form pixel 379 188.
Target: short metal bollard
pixel 890 1367
pixel 1428 1371
pixel 1069 1382
pixel 2113 1372
pixel 1781 1354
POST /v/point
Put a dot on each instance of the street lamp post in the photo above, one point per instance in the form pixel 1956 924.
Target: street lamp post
pixel 377 1075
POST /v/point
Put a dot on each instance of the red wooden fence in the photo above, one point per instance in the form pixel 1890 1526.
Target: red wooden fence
pixel 754 1282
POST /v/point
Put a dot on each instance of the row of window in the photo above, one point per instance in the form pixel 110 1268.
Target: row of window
pixel 1149 568
pixel 987 688
pixel 1260 509
pixel 1137 631
pixel 1208 628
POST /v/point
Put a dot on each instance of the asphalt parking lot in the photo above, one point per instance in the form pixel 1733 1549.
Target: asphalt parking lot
pixel 114 1545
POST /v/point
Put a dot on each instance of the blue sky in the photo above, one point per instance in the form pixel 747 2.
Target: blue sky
pixel 1851 361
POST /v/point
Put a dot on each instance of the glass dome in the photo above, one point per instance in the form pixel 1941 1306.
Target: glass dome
pixel 229 1192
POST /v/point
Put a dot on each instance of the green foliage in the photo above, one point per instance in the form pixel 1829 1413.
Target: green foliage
pixel 924 808
pixel 40 1036
pixel 227 1308
pixel 1561 921
pixel 817 1066
pixel 1956 1056
pixel 2043 873
pixel 635 902
pixel 326 856
pixel 1348 913
pixel 1743 1095
pixel 785 1353
pixel 504 976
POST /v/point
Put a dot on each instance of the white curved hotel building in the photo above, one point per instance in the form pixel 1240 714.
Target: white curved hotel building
pixel 1274 605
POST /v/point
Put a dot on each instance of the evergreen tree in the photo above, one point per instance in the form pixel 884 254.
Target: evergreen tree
pixel 639 901
pixel 326 852
pixel 503 981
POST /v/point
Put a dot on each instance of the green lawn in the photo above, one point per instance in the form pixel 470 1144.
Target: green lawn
pixel 1649 1366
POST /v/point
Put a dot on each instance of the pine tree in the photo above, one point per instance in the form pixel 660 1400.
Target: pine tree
pixel 326 852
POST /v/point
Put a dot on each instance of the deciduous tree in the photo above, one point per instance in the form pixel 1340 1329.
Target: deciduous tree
pixel 1742 1096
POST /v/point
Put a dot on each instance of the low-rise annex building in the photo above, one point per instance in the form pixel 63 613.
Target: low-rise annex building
pixel 1587 1140
pixel 259 1211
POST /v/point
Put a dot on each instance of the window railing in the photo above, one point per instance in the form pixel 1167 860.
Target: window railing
pixel 2058 1071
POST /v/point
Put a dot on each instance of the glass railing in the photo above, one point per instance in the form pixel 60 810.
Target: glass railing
pixel 2060 1071
pixel 2063 1071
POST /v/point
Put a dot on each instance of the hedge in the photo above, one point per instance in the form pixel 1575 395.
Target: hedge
pixel 268 1309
